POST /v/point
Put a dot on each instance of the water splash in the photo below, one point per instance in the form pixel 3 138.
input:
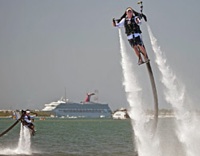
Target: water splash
pixel 146 144
pixel 24 144
pixel 175 94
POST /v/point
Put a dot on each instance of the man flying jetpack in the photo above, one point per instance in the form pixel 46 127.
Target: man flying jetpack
pixel 25 119
pixel 131 21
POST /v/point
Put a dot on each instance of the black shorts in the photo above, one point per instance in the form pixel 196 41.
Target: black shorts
pixel 135 41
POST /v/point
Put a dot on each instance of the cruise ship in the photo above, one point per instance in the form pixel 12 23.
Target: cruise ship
pixel 86 109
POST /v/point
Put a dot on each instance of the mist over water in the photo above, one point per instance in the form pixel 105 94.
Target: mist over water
pixel 187 123
pixel 146 144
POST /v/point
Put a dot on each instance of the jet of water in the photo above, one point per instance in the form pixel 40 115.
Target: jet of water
pixel 146 146
pixel 175 94
pixel 24 144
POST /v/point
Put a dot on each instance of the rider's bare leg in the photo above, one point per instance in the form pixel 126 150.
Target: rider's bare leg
pixel 143 51
pixel 137 52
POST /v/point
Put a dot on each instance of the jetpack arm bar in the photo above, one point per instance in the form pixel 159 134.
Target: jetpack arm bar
pixel 141 15
pixel 141 11
pixel 141 6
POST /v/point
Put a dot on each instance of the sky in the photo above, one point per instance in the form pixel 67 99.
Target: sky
pixel 51 45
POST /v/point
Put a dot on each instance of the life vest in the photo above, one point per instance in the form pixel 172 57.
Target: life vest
pixel 131 26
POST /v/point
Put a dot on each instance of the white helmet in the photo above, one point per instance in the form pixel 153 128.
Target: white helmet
pixel 28 111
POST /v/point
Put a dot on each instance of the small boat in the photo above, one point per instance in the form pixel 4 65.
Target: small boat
pixel 120 114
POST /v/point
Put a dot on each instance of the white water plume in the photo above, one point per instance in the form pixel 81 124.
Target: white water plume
pixel 146 144
pixel 188 130
pixel 24 144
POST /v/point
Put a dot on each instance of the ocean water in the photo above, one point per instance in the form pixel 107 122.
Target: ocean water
pixel 72 137
pixel 87 137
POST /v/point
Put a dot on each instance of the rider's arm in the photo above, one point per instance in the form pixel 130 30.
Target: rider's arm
pixel 32 117
pixel 27 120
pixel 121 23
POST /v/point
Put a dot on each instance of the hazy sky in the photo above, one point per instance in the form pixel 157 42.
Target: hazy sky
pixel 47 45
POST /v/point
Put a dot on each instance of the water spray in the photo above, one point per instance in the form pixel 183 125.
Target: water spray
pixel 175 94
pixel 145 142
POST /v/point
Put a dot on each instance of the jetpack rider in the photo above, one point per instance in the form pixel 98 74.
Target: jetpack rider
pixel 131 23
pixel 28 121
